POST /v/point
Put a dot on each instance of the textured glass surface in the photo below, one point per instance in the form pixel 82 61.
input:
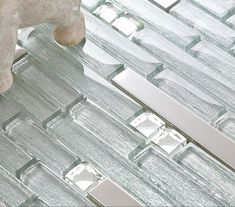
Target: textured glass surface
pixel 84 176
pixel 188 67
pixel 91 4
pixel 178 180
pixel 38 203
pixel 218 8
pixel 217 176
pixel 51 188
pixel 165 4
pixel 108 12
pixel 190 96
pixel 12 192
pixel 226 124
pixel 160 21
pixel 148 124
pixel 36 141
pixel 170 141
pixel 64 68
pixel 205 24
pixel 231 22
pixel 12 158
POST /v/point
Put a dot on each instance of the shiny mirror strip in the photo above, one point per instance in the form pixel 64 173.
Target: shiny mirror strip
pixel 178 115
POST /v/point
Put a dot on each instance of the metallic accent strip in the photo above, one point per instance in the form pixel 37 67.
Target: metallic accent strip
pixel 178 115
pixel 108 193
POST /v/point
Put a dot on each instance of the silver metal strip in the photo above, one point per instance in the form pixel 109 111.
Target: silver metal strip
pixel 178 115
pixel 107 193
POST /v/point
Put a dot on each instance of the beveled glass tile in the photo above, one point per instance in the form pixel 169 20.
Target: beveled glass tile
pixel 12 191
pixel 121 48
pixel 206 79
pixel 205 24
pixel 11 111
pixel 33 78
pixel 63 67
pixel 111 132
pixel 92 4
pixel 170 141
pixel 148 124
pixel 12 158
pixel 226 124
pixel 162 22
pixel 40 144
pixel 84 176
pixel 215 174
pixel 218 8
pixel 19 53
pixel 128 24
pixel 190 96
pixel 165 4
pixel 188 190
pixel 108 12
pixel 53 190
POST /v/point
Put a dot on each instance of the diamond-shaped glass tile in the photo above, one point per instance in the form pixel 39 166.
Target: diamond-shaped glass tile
pixel 148 124
pixel 170 141
pixel 127 24
pixel 84 176
pixel 108 12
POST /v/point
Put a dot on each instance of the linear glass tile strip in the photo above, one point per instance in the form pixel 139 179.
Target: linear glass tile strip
pixel 208 80
pixel 111 132
pixel 166 5
pixel 36 141
pixel 162 22
pixel 205 24
pixel 53 190
pixel 63 67
pixel 11 111
pixel 107 193
pixel 92 4
pixel 180 180
pixel 231 22
pixel 88 53
pixel 92 150
pixel 216 175
pixel 36 81
pixel 226 124
pixel 188 95
pixel 12 191
pixel 220 9
pixel 38 203
pixel 12 158
pixel 215 58
pixel 178 115
pixel 121 48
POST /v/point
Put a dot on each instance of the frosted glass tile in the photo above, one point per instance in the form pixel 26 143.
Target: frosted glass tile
pixel 162 22
pixel 231 22
pixel 127 24
pixel 84 176
pixel 205 24
pixel 13 192
pixel 38 203
pixel 165 4
pixel 34 79
pixel 91 4
pixel 53 190
pixel 226 124
pixel 111 132
pixel 40 108
pixel 11 111
pixel 215 58
pixel 148 124
pixel 36 141
pixel 108 12
pixel 108 162
pixel 170 141
pixel 121 48
pixel 64 68
pixel 218 8
pixel 12 158
pixel 216 175
pixel 89 54
pixel 190 96
pixel 186 189
pixel 206 79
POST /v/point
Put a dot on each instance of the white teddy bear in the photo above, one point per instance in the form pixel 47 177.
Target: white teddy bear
pixel 15 14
